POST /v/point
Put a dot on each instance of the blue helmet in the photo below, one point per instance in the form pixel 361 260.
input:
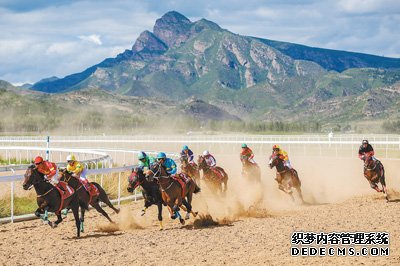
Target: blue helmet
pixel 161 155
pixel 141 155
pixel 185 148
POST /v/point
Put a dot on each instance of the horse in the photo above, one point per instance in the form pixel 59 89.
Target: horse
pixel 374 172
pixel 49 198
pixel 151 191
pixel 190 168
pixel 85 199
pixel 250 170
pixel 286 178
pixel 171 191
pixel 212 179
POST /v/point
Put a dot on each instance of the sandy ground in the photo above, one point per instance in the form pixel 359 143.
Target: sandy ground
pixel 255 224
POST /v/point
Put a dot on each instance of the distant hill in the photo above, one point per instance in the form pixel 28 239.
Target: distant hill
pixel 243 77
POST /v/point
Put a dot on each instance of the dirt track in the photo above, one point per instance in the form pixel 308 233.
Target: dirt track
pixel 342 202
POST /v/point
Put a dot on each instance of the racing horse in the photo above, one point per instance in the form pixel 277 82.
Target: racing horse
pixel 190 168
pixel 172 192
pixel 286 178
pixel 213 179
pixel 151 191
pixel 85 199
pixel 49 198
pixel 374 172
pixel 250 170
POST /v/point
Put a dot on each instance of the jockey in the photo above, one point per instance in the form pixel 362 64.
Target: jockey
pixel 78 170
pixel 247 152
pixel 144 160
pixel 282 155
pixel 168 163
pixel 366 150
pixel 49 169
pixel 187 153
pixel 210 160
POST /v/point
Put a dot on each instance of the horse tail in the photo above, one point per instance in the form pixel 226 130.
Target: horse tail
pixel 296 178
pixel 196 188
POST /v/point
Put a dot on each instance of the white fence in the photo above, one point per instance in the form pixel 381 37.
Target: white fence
pixel 97 156
pixel 388 145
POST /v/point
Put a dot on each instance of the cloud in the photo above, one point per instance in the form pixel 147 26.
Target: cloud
pixel 94 38
pixel 56 38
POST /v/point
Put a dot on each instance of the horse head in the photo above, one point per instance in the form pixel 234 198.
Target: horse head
pixel 201 162
pixel 64 175
pixel 369 162
pixel 32 177
pixel 136 178
pixel 156 171
pixel 273 160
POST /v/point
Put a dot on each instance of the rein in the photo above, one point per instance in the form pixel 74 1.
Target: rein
pixel 39 196
pixel 70 176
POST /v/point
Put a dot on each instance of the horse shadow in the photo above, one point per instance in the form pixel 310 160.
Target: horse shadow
pixel 393 200
pixel 95 236
pixel 306 203
pixel 193 227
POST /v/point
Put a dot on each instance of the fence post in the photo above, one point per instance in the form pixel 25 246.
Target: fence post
pixel 119 189
pixel 47 148
pixel 12 202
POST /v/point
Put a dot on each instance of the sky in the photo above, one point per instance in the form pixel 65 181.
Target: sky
pixel 45 38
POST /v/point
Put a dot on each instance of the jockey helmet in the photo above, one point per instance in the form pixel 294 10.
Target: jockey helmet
pixel 38 160
pixel 161 155
pixel 365 141
pixel 71 157
pixel 276 147
pixel 205 153
pixel 185 148
pixel 141 155
pixel 244 145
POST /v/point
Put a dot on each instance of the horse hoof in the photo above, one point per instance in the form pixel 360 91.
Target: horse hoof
pixel 187 216
pixel 173 217
pixel 195 214
pixel 182 221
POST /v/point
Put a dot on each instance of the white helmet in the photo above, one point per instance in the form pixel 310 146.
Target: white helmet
pixel 70 157
pixel 205 153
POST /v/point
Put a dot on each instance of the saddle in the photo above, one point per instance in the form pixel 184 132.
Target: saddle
pixel 183 180
pixel 65 192
pixel 219 172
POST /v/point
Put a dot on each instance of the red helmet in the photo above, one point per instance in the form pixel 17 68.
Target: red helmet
pixel 38 160
pixel 276 147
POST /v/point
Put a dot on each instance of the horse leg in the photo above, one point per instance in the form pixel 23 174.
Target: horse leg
pixel 383 182
pixel 82 218
pixel 100 210
pixel 75 211
pixel 374 186
pixel 300 194
pixel 159 205
pixel 178 202
pixel 189 205
pixel 59 220
pixel 147 204
pixel 104 198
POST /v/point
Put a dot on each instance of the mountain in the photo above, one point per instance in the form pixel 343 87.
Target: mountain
pixel 243 77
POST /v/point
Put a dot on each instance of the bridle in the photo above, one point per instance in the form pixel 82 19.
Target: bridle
pixel 64 173
pixel 37 181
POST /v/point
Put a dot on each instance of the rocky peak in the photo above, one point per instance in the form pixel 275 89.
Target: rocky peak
pixel 173 28
pixel 148 42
